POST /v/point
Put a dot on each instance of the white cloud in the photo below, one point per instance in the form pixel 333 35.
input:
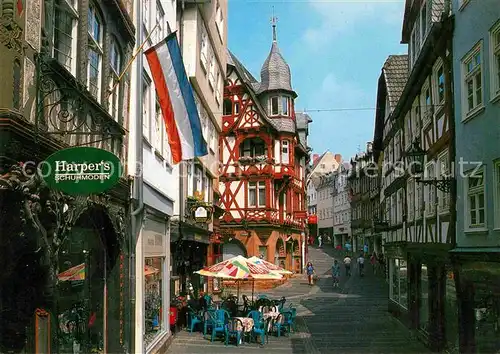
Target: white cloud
pixel 338 17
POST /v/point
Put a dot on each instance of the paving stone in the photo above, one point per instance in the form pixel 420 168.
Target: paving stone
pixel 350 319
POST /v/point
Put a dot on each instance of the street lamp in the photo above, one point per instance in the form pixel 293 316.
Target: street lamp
pixel 415 159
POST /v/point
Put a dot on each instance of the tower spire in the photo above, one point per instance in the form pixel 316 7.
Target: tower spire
pixel 274 20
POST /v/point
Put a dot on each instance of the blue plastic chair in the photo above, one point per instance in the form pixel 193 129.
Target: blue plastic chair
pixel 208 300
pixel 283 322
pixel 194 319
pixel 255 315
pixel 234 329
pixel 220 323
pixel 209 320
pixel 261 329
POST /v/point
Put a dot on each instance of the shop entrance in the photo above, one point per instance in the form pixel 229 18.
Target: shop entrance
pixel 86 260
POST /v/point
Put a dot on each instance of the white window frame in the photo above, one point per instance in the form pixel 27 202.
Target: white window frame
pixel 438 65
pixel 496 194
pixel 426 105
pixel 476 191
pixel 443 167
pixel 160 19
pixel 218 96
pixel 285 155
pixel 273 112
pixel 211 71
pixel 424 20
pixel 69 9
pixel 219 20
pixel 146 106
pixel 285 103
pixel 95 45
pixel 430 189
pixel 472 76
pixel 257 187
pixel 407 131
pixel 204 48
pixel 115 64
pixel 495 62
pixel 410 198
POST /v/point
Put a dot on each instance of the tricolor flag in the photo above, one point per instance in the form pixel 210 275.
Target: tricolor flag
pixel 176 99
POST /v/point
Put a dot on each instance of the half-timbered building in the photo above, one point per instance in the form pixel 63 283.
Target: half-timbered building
pixel 263 154
pixel 415 134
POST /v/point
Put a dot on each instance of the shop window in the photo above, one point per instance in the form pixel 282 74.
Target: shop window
pixel 398 286
pixel 153 298
pixel 424 298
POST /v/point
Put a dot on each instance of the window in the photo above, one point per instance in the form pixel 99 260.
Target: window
pixel 145 14
pixel 236 107
pixel 444 170
pixel 114 86
pixel 253 147
pixel 211 74
pixel 398 279
pixel 160 18
pixel 158 128
pixel 204 48
pixel 94 52
pixel 438 83
pixel 285 153
pixel 197 181
pixel 408 136
pixel 423 21
pixel 284 106
pixel 495 60
pixel 65 32
pixel 217 87
pixel 410 199
pixel 496 195
pixel 274 106
pixel 430 190
pixel 211 138
pixel 400 201
pixel 219 20
pixel 154 297
pixel 476 217
pixel 146 97
pixel 473 82
pixel 257 194
pixel 227 107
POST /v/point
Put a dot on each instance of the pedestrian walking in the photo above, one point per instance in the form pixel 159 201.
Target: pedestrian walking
pixel 361 264
pixel 347 265
pixel 320 241
pixel 310 273
pixel 335 273
pixel 374 262
pixel 365 249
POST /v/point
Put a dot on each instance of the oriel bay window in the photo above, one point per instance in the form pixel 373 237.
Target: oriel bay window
pixel 257 194
pixel 279 105
pixel 253 147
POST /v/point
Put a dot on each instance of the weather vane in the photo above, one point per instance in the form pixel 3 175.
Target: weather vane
pixel 274 20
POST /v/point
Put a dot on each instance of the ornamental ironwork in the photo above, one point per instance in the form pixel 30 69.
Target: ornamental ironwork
pixel 65 107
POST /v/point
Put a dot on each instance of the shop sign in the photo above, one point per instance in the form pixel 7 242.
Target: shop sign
pixel 201 214
pixel 81 170
pixel 313 219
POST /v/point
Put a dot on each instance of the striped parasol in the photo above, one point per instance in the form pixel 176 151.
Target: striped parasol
pixel 272 267
pixel 238 268
pixel 73 273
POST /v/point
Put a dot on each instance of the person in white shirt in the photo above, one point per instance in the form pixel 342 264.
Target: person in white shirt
pixel 347 265
pixel 320 241
pixel 361 264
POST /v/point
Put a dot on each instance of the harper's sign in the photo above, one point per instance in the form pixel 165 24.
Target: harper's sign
pixel 81 170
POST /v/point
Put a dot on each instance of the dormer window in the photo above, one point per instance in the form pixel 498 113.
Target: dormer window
pixel 279 105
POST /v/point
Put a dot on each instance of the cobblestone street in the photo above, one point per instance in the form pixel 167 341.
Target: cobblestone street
pixel 350 319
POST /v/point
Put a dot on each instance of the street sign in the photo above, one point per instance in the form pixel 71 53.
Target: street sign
pixel 81 170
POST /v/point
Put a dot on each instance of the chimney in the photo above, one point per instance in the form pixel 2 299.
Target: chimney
pixel 338 158
pixel 369 147
pixel 315 158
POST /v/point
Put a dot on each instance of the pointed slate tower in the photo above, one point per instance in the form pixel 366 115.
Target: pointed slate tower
pixel 275 87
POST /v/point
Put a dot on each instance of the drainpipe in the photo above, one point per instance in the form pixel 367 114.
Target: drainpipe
pixel 136 330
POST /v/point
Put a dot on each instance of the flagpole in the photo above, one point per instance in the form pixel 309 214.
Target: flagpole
pixel 139 50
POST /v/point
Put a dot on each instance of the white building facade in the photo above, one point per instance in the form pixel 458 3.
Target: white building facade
pixel 341 207
pixel 160 182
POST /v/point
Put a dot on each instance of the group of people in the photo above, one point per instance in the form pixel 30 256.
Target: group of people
pixel 376 261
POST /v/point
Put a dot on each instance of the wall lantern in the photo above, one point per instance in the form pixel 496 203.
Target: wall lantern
pixel 415 159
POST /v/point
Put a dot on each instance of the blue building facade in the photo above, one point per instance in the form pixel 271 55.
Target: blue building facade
pixel 476 73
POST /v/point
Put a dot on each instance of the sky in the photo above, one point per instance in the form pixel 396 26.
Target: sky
pixel 335 50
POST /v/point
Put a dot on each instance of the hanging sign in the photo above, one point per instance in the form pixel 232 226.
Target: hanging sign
pixel 201 214
pixel 81 170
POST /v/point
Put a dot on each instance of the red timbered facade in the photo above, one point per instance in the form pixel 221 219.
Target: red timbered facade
pixel 263 154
